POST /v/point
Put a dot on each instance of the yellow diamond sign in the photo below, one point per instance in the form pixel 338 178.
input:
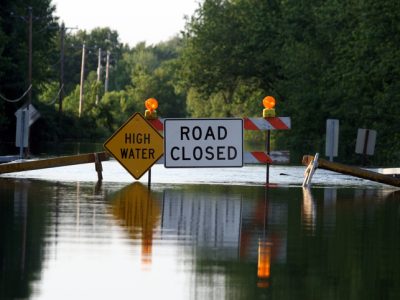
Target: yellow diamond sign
pixel 136 145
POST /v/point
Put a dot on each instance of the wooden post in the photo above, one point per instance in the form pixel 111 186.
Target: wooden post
pixel 61 96
pixel 98 167
pixel 353 171
pixel 29 73
pixel 149 179
pixel 30 55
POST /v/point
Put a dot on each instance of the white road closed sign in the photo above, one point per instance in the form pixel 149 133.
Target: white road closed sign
pixel 203 143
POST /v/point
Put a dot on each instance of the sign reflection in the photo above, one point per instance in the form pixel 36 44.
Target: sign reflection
pixel 205 242
pixel 139 213
pixel 308 211
pixel 264 263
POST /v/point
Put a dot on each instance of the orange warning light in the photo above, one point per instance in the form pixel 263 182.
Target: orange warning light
pixel 151 104
pixel 269 102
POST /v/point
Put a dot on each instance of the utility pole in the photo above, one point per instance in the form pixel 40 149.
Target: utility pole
pixel 107 68
pixel 82 80
pixel 30 56
pixel 30 25
pixel 63 31
pixel 98 75
pixel 61 97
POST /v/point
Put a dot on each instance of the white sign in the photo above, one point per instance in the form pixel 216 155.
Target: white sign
pixel 332 138
pixel 33 113
pixel 26 116
pixel 203 143
pixel 366 139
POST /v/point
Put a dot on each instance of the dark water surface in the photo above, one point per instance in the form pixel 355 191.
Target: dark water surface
pixel 119 241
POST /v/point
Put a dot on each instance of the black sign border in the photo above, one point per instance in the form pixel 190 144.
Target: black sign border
pixel 118 130
pixel 203 119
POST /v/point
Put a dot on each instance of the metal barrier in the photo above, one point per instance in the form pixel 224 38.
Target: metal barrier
pixel 252 124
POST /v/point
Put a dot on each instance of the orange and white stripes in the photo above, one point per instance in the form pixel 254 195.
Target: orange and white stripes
pixel 276 123
pixel 253 157
pixel 262 157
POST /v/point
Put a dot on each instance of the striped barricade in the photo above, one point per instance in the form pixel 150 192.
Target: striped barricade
pixel 276 123
pixel 261 124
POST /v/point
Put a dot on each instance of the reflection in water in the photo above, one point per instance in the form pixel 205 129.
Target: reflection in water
pixel 207 219
pixel 264 263
pixel 21 229
pixel 78 206
pixel 138 211
pixel 329 209
pixel 264 246
pixel 197 242
pixel 308 211
pixel 21 212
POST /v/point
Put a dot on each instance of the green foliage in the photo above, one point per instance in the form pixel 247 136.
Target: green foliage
pixel 228 43
pixel 246 101
pixel 14 17
pixel 103 38
pixel 320 59
pixel 154 73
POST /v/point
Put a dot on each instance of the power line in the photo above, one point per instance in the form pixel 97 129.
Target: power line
pixel 57 96
pixel 18 99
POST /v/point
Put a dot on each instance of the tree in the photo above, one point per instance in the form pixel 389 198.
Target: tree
pixel 212 49
pixel 153 73
pixel 322 59
pixel 14 24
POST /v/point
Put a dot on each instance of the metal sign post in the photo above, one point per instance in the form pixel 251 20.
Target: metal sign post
pixel 26 116
pixel 365 144
pixel 22 134
pixel 268 148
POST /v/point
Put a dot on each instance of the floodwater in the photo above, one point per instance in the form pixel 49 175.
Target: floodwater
pixel 197 234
